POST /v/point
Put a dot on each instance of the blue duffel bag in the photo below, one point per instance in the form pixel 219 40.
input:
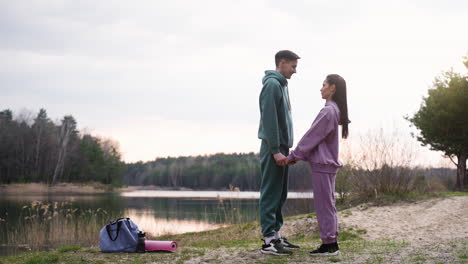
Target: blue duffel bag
pixel 120 235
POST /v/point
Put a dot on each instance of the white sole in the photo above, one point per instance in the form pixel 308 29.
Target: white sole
pixel 273 253
pixel 291 248
pixel 326 254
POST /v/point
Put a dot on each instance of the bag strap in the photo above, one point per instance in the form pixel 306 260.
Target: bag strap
pixel 118 219
pixel 109 231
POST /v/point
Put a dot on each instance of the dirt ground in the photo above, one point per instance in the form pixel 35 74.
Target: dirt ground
pixel 429 231
pixel 422 222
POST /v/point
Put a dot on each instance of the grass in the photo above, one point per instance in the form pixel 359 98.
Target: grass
pixel 68 248
pixel 232 239
pixel 241 243
pixel 463 256
pixel 334 259
pixel 346 213
pixel 361 231
pixel 451 194
pixel 418 259
pixel 33 258
pixel 42 259
pixel 347 235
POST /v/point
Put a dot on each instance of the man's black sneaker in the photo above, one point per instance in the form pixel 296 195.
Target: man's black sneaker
pixel 287 244
pixel 275 248
pixel 326 250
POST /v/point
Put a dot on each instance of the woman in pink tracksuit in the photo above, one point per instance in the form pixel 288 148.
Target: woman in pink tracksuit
pixel 319 147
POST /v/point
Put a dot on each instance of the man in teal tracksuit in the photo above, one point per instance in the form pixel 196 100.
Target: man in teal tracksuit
pixel 276 133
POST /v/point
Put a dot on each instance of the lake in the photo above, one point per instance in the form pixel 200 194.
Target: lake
pixel 43 222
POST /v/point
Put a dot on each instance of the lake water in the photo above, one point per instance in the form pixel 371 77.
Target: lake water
pixel 48 221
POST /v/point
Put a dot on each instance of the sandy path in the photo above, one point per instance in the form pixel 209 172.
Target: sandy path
pixel 423 221
pixel 426 225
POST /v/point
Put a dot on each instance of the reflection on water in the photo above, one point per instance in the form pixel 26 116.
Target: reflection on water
pixel 149 222
pixel 155 215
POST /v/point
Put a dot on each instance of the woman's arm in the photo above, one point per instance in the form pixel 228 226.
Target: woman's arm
pixel 321 127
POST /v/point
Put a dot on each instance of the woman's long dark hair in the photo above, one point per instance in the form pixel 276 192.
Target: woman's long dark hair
pixel 339 97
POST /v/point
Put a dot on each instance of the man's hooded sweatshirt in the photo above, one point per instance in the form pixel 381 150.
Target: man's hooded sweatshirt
pixel 276 126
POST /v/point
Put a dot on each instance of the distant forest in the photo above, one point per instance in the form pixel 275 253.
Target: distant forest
pixel 218 171
pixel 33 148
pixel 242 170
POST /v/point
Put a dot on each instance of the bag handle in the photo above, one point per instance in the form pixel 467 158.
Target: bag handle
pixel 118 219
pixel 118 230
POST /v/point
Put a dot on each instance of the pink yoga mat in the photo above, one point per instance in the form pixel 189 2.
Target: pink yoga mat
pixel 154 245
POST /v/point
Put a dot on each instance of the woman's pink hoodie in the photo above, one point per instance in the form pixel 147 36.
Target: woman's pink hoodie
pixel 320 145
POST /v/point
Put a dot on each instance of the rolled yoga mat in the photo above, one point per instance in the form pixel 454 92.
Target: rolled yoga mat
pixel 154 245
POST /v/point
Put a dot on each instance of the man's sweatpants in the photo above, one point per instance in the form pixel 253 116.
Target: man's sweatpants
pixel 273 190
pixel 324 203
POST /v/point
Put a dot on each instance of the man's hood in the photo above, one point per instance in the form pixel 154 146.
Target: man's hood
pixel 276 75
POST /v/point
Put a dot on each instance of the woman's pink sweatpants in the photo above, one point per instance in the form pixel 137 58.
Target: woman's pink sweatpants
pixel 324 203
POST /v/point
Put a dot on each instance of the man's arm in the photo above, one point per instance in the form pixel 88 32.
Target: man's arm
pixel 269 101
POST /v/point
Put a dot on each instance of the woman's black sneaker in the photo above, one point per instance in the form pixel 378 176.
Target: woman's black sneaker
pixel 275 248
pixel 287 244
pixel 326 250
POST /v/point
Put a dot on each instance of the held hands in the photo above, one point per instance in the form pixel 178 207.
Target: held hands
pixel 282 160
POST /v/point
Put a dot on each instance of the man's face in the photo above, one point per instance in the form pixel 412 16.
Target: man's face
pixel 287 68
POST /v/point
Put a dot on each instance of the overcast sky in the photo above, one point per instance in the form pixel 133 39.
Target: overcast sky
pixel 183 77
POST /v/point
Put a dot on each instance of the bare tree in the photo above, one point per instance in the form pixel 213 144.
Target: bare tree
pixel 68 127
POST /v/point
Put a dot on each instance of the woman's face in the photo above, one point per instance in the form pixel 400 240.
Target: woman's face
pixel 327 90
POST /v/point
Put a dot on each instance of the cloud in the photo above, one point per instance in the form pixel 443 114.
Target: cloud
pixel 202 63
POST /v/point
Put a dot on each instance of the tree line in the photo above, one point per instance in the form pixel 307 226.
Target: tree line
pixel 218 171
pixel 242 170
pixel 36 149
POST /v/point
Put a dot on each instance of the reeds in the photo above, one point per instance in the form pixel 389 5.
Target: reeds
pixel 44 226
pixel 383 165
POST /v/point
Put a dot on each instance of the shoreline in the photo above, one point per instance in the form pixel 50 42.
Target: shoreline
pixel 97 188
pixel 59 188
pixel 75 188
